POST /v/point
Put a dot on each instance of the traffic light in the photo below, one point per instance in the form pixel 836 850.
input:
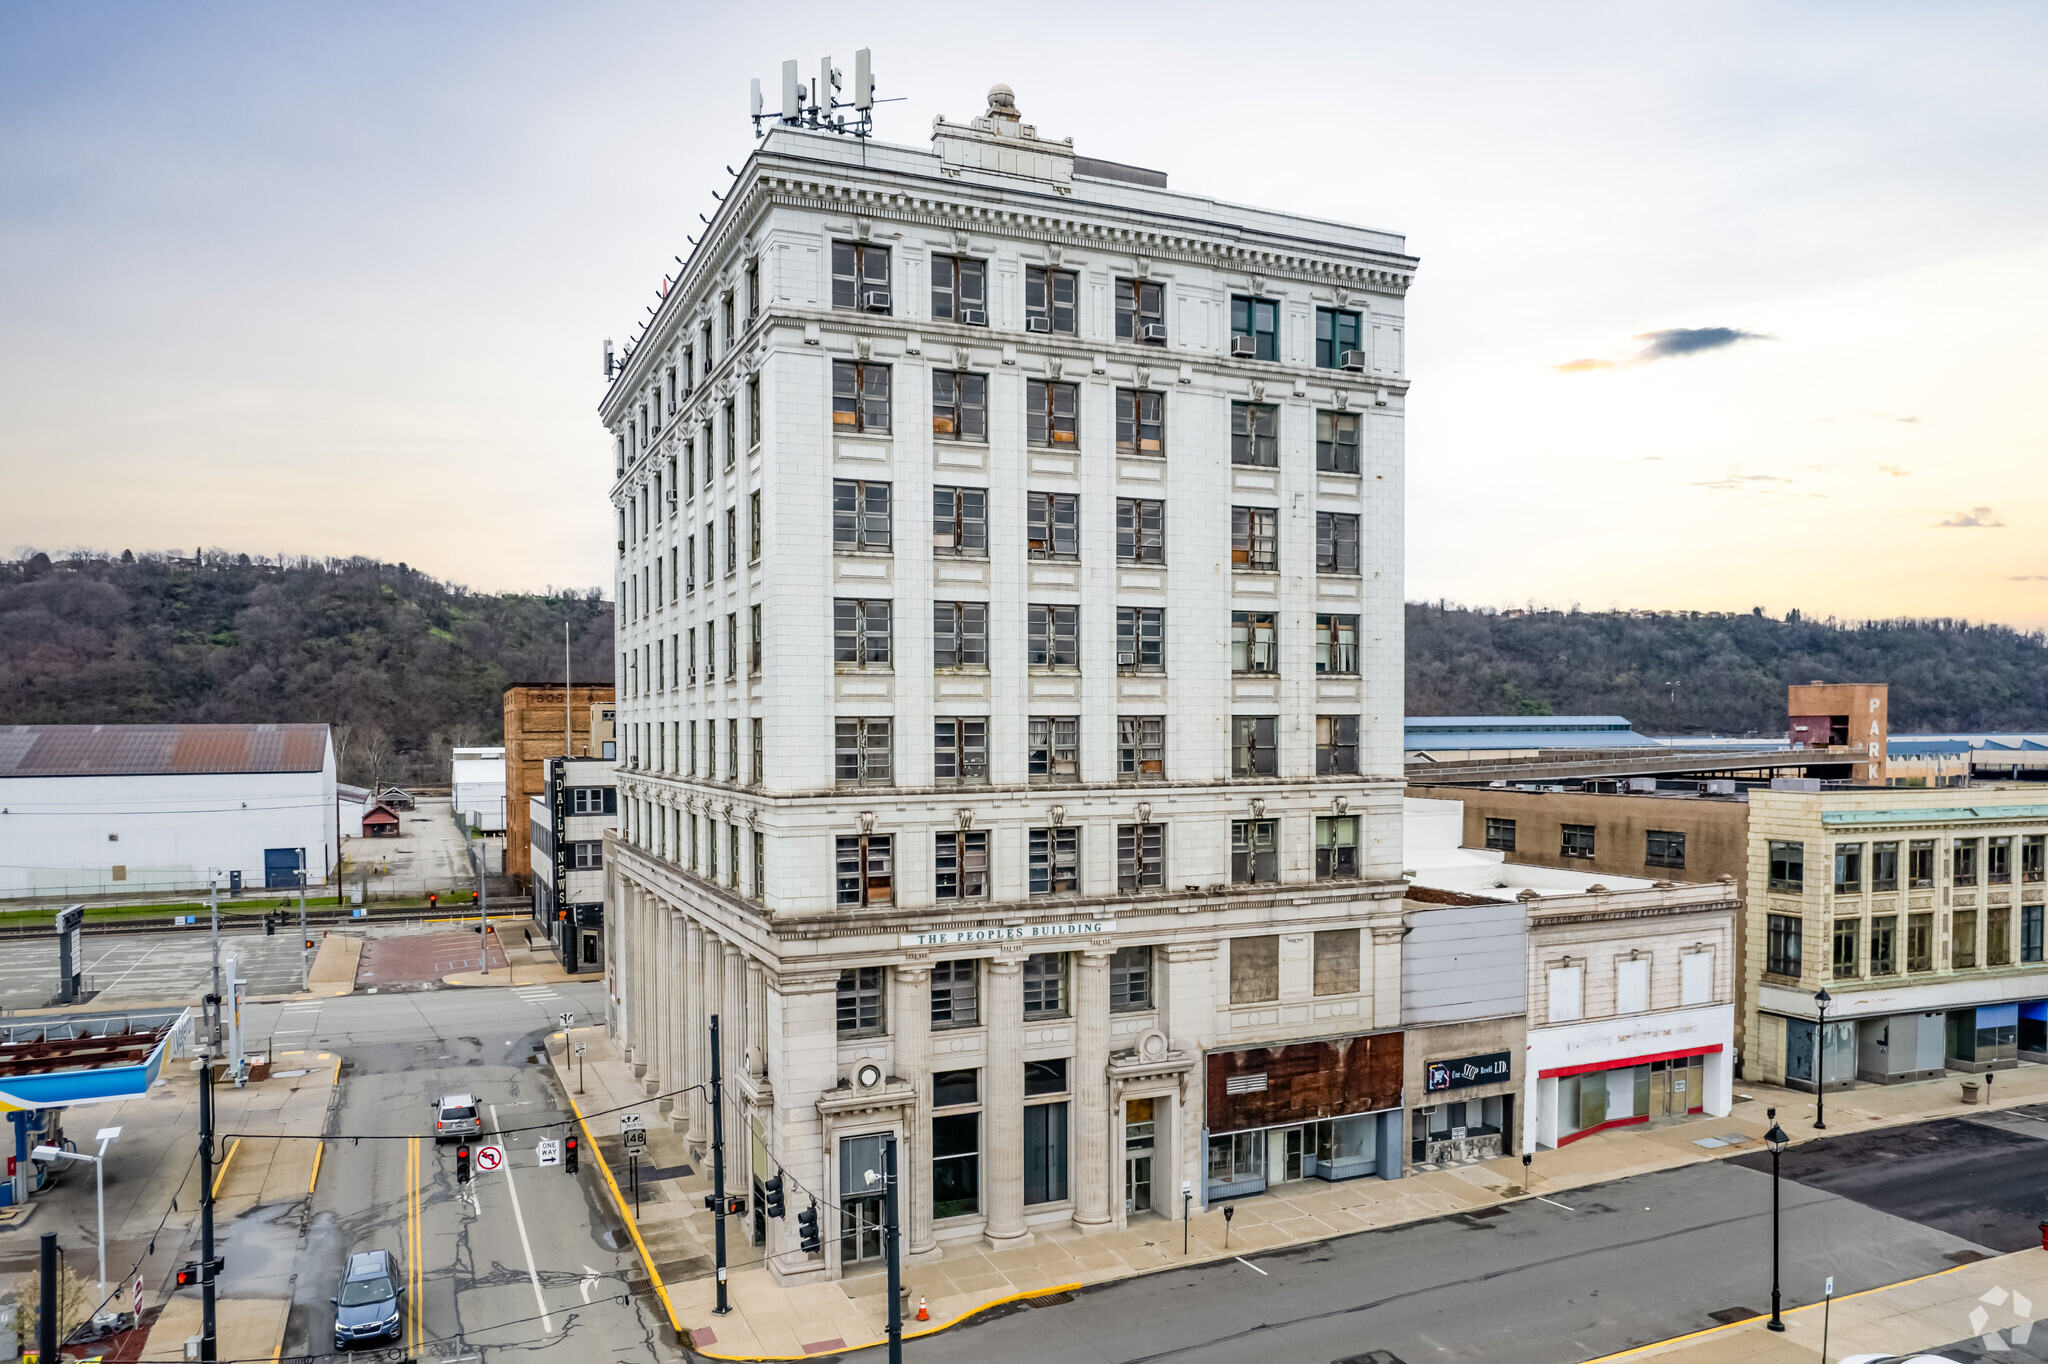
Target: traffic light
pixel 462 1164
pixel 807 1230
pixel 269 926
pixel 309 944
pixel 569 1154
pixel 771 1195
pixel 433 899
pixel 188 1273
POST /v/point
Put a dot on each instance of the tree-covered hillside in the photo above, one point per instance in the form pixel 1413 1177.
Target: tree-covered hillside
pixel 404 666
pixel 1688 672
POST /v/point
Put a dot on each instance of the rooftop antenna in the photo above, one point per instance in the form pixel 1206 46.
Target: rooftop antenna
pixel 610 365
pixel 814 104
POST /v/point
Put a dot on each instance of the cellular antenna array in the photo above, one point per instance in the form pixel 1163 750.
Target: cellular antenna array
pixel 816 104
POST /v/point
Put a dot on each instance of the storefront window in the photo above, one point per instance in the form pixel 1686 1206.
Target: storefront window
pixel 1237 1164
pixel 956 1164
pixel 1045 1153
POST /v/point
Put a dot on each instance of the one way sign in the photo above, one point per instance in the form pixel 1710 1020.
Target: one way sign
pixel 549 1150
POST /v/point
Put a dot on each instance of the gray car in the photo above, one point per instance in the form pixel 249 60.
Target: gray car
pixel 367 1306
pixel 456 1117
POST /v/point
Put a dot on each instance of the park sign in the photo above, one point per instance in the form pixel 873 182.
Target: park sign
pixel 973 937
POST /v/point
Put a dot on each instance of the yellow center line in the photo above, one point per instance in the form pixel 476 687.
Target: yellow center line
pixel 318 1152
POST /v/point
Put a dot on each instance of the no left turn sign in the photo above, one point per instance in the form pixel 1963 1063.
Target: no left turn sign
pixel 490 1158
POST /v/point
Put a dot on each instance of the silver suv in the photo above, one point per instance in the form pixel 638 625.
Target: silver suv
pixel 455 1116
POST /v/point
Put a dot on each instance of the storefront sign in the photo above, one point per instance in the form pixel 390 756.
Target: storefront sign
pixel 969 937
pixel 1493 1068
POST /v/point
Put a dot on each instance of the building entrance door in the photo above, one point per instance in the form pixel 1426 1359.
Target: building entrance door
pixel 860 1230
pixel 1139 1137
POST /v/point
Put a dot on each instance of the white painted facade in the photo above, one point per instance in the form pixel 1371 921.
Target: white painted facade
pixel 478 775
pixel 728 877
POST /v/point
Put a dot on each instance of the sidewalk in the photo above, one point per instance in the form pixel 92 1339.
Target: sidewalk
pixel 527 963
pixel 768 1321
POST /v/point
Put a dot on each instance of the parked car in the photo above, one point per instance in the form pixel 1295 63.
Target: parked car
pixel 455 1117
pixel 366 1306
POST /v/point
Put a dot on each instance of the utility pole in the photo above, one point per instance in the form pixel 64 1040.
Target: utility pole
pixel 718 1167
pixel 213 908
pixel 46 1316
pixel 568 700
pixel 305 963
pixel 892 1237
pixel 207 1341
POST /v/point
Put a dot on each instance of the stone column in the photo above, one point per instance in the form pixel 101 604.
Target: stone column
pixel 732 1033
pixel 1002 1142
pixel 691 990
pixel 658 1068
pixel 638 940
pixel 675 1013
pixel 911 1005
pixel 757 1020
pixel 710 983
pixel 1090 1183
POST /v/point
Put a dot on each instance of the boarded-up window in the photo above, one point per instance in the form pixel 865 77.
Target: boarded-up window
pixel 1337 962
pixel 1254 970
pixel 1631 987
pixel 1564 994
pixel 1696 978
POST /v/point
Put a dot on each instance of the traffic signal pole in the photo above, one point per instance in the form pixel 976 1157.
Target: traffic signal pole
pixel 207 1338
pixel 718 1167
pixel 893 1233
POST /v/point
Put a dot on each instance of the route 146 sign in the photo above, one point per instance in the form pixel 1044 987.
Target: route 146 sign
pixel 1495 1067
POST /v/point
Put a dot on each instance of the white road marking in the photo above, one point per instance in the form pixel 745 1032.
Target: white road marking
pixel 1249 1265
pixel 547 1322
pixel 589 1282
pixel 127 973
pixel 1553 1203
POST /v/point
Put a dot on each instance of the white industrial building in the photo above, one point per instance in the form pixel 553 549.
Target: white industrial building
pixel 90 810
pixel 1010 689
pixel 478 788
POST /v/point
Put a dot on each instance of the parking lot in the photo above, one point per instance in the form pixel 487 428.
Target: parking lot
pixel 162 964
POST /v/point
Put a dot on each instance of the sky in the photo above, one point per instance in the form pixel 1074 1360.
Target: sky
pixel 1719 306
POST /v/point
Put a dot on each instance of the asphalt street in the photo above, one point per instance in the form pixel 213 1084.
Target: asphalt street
pixel 1551 1281
pixel 171 963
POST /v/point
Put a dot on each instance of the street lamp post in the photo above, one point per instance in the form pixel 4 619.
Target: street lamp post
pixel 1821 1001
pixel 106 1137
pixel 1777 1141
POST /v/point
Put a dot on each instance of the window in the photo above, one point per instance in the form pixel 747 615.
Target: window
pixel 693 747
pixel 960 750
pixel 589 856
pixel 1130 980
pixel 1965 859
pixel 1920 864
pixel 1781 945
pixel 1848 868
pixel 1788 866
pixel 1500 834
pixel 1053 525
pixel 860 633
pixel 1255 539
pixel 1140 639
pixel 1337 442
pixel 1336 644
pixel 1140 857
pixel 1336 846
pixel 1336 745
pixel 1336 962
pixel 866 869
pixel 1920 938
pixel 1884 932
pixel 754 644
pixel 1664 848
pixel 955 1004
pixel 860 396
pixel 959 634
pixel 690 563
pixel 1051 412
pixel 1045 1153
pixel 1254 642
pixel 960 290
pixel 1844 958
pixel 1140 422
pixel 756 775
pixel 1884 866
pixel 1140 531
pixel 961 866
pixel 1141 311
pixel 860 277
pixel 860 1000
pixel 732 755
pixel 593 800
pixel 1336 542
pixel 861 752
pixel 1055 636
pixel 956 1163
pixel 1337 340
pixel 1254 851
pixel 1253 750
pixel 1045 1077
pixel 1255 434
pixel 959 405
pixel 960 522
pixel 1140 747
pixel 753 294
pixel 1998 936
pixel 1054 748
pixel 1998 863
pixel 1963 953
pixel 1054 868
pixel 1254 328
pixel 1576 840
pixel 1049 297
pixel 1045 978
pixel 732 436
pixel 1254 970
pixel 725 318
pixel 733 861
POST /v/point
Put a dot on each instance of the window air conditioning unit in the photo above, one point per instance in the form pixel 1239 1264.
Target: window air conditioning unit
pixel 1037 324
pixel 1246 347
pixel 1352 359
pixel 1127 660
pixel 876 300
pixel 974 317
pixel 1152 331
pixel 671 497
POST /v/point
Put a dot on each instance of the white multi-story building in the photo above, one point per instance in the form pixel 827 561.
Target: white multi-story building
pixel 1010 687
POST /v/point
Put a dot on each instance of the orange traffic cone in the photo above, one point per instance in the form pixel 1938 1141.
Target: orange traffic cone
pixel 922 1315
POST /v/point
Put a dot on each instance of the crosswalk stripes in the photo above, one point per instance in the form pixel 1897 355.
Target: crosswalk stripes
pixel 536 994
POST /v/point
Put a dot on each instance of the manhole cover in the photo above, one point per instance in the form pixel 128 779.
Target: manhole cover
pixel 1965 1257
pixel 1729 1315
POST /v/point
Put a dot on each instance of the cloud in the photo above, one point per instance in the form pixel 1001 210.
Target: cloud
pixel 1909 421
pixel 1977 518
pixel 1894 470
pixel 1736 483
pixel 1665 344
pixel 2028 578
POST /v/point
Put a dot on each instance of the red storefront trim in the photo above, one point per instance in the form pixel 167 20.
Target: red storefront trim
pixel 1613 1122
pixel 1623 1065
